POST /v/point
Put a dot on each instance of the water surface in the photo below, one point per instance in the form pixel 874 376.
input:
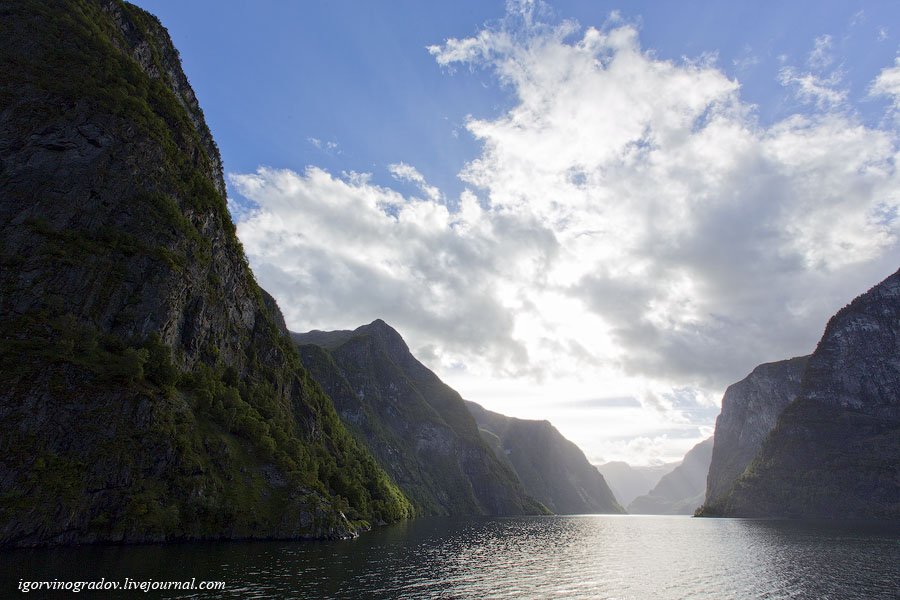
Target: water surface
pixel 623 557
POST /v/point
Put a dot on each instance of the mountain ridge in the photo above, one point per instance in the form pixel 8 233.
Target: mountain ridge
pixel 628 482
pixel 552 469
pixel 417 427
pixel 681 491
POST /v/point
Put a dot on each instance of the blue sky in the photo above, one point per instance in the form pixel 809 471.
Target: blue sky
pixel 593 212
pixel 273 74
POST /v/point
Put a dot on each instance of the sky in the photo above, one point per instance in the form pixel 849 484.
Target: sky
pixel 596 213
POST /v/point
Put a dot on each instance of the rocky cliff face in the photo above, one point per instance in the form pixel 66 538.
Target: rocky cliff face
pixel 552 469
pixel 835 450
pixel 682 491
pixel 416 426
pixel 148 387
pixel 750 409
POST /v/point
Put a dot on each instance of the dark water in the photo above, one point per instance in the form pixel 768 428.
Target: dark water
pixel 531 557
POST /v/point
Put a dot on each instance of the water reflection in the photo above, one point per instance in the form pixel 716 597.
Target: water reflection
pixel 534 557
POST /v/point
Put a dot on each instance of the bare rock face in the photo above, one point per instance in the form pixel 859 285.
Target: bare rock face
pixel 112 193
pixel 552 469
pixel 417 427
pixel 835 450
pixel 148 388
pixel 750 409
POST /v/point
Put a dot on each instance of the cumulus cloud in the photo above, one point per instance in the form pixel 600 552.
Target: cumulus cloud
pixel 629 225
pixel 687 227
pixel 339 252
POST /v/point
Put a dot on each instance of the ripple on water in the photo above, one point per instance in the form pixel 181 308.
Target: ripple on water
pixel 614 557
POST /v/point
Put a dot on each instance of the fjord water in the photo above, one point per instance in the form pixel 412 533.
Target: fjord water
pixel 523 557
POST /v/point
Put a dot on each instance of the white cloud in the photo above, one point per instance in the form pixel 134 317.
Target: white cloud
pixel 631 231
pixel 325 146
pixel 404 172
pixel 888 84
pixel 341 252
pixel 815 86
pixel 455 50
pixel 821 91
pixel 821 56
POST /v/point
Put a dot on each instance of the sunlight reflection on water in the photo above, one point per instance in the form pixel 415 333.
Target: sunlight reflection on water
pixel 619 557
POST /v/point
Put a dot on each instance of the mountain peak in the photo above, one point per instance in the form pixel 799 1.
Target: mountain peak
pixel 380 327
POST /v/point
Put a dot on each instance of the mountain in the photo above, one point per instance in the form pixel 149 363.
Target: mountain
pixel 149 390
pixel 552 469
pixel 682 491
pixel 835 450
pixel 416 426
pixel 628 482
pixel 750 409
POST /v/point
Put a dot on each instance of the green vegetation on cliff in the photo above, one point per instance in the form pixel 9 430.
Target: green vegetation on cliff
pixel 149 388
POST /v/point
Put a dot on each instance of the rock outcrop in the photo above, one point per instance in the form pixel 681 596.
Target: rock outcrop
pixel 148 388
pixel 750 409
pixel 552 469
pixel 835 450
pixel 682 491
pixel 416 426
pixel 628 481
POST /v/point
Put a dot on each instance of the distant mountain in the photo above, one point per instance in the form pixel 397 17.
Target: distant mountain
pixel 628 482
pixel 682 491
pixel 750 409
pixel 835 450
pixel 552 469
pixel 148 387
pixel 417 427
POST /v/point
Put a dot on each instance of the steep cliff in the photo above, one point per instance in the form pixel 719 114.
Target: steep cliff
pixel 628 482
pixel 750 409
pixel 682 491
pixel 148 387
pixel 835 450
pixel 552 469
pixel 417 427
